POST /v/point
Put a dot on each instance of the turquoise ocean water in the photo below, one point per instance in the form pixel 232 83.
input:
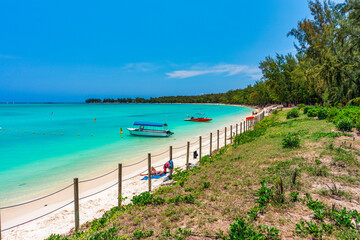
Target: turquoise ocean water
pixel 42 145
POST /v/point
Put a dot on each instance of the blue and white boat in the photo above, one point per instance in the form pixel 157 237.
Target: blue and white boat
pixel 150 129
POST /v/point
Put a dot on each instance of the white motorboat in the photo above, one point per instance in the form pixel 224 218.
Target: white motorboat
pixel 150 129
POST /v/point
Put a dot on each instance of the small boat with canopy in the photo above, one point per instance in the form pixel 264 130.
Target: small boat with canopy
pixel 150 129
pixel 199 117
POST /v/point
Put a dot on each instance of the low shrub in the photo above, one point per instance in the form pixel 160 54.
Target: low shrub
pixel 312 112
pixel 343 218
pixel 332 113
pixel 345 125
pixel 322 113
pixel 206 184
pixel 305 228
pixel 146 198
pixel 291 141
pixel 241 230
pixel 142 234
pixel 186 199
pixel 294 196
pixel 307 108
pixel 293 113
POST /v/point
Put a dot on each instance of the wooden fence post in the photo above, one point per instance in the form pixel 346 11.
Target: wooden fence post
pixel 119 184
pixel 171 152
pixel 149 170
pixel 76 203
pixel 231 134
pixel 236 130
pixel 210 144
pixel 240 132
pixel 218 139
pixel 199 148
pixel 225 137
pixel 187 155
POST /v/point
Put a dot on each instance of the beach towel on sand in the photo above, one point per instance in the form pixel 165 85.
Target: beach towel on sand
pixel 154 176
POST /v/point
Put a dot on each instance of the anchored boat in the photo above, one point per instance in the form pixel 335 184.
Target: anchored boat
pixel 199 117
pixel 150 129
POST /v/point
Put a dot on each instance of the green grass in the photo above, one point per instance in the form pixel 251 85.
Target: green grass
pixel 247 188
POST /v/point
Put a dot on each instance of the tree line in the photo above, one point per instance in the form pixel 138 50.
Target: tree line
pixel 325 69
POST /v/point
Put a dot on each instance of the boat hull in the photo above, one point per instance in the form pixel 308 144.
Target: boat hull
pixel 198 119
pixel 149 133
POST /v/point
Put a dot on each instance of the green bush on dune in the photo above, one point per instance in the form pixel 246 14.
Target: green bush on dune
pixel 293 113
pixel 291 141
pixel 306 109
pixel 322 113
pixel 312 112
pixel 345 125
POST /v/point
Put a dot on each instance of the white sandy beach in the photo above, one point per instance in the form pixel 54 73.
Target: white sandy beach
pixel 92 207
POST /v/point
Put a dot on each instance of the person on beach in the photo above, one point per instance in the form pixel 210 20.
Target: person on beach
pixel 153 172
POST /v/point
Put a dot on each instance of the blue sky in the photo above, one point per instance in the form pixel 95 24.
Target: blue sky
pixel 73 50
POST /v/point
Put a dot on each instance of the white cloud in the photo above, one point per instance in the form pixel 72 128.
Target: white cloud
pixel 139 67
pixel 227 69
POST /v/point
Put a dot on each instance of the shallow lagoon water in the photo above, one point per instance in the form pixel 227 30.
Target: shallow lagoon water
pixel 47 145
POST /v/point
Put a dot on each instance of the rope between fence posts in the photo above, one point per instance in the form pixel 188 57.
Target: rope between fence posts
pixel 182 155
pixel 91 179
pixel 99 191
pixel 36 199
pixel 179 147
pixel 135 163
pixel 160 154
pixel 20 224
pixel 126 179
pixel 206 144
pixel 195 142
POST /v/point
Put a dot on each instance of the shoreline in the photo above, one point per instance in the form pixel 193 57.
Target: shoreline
pixel 133 187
